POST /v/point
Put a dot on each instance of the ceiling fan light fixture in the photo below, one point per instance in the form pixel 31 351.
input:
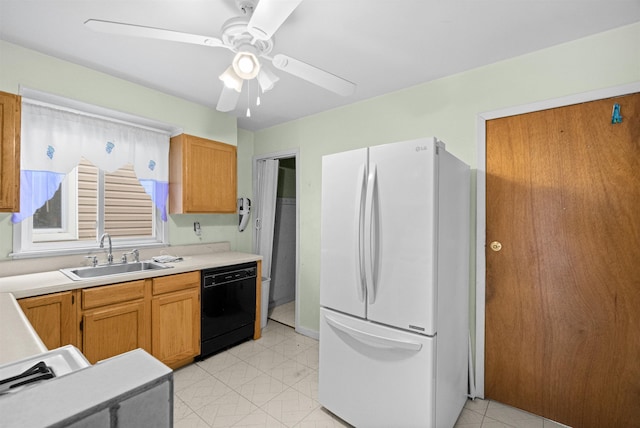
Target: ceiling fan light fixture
pixel 266 79
pixel 246 65
pixel 231 79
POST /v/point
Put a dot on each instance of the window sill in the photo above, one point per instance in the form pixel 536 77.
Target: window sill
pixel 88 250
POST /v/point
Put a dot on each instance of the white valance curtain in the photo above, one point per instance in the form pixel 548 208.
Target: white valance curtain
pixel 53 141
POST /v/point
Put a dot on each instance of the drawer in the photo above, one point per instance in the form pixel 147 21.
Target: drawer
pixel 181 281
pixel 109 294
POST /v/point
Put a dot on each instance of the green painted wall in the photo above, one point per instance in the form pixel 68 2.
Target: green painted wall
pixel 21 67
pixel 447 108
pixel 287 178
pixel 245 186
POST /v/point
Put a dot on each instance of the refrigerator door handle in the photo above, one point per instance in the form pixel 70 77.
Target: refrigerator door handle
pixel 370 241
pixel 360 197
pixel 373 339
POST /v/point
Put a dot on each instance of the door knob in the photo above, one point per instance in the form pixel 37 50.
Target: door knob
pixel 495 246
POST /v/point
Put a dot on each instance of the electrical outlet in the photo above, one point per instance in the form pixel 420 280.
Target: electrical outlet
pixel 196 228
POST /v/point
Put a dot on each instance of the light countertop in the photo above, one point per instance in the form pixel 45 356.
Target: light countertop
pixel 36 284
pixel 18 339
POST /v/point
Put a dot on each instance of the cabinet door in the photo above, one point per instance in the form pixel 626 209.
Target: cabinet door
pixel 203 176
pixel 9 152
pixel 52 316
pixel 175 320
pixel 113 330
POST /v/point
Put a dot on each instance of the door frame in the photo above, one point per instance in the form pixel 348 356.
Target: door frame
pixel 286 154
pixel 481 192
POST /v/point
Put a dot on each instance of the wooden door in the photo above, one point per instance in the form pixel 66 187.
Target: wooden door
pixel 113 330
pixel 563 291
pixel 53 318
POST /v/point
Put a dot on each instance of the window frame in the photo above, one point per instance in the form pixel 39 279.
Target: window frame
pixel 69 229
pixel 57 244
pixel 23 245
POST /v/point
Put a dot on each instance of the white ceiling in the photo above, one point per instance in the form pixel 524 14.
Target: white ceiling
pixel 381 45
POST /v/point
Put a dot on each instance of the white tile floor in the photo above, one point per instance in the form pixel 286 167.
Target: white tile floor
pixel 491 414
pixel 270 382
pixel 284 314
pixel 273 382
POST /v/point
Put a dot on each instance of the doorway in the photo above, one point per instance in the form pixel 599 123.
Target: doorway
pixel 562 191
pixel 282 293
pixel 480 289
pixel 281 228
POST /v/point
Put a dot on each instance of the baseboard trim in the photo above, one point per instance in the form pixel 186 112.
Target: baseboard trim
pixel 309 333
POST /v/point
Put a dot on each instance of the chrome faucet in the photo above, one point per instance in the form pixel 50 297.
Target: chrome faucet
pixel 110 254
pixel 135 253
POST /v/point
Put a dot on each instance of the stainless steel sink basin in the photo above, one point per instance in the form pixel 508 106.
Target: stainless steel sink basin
pixel 81 273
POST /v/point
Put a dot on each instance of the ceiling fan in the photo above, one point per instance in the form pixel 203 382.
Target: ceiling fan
pixel 250 37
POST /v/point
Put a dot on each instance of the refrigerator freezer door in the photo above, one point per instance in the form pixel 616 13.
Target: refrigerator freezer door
pixel 375 376
pixel 341 259
pixel 403 235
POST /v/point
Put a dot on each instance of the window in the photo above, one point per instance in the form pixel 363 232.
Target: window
pixel 125 207
pixel 56 219
pixel 88 203
pixel 49 218
pixel 68 199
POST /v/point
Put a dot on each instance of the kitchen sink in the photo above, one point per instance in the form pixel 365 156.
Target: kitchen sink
pixel 88 272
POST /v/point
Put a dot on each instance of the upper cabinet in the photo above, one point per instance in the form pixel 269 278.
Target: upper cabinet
pixel 9 152
pixel 202 176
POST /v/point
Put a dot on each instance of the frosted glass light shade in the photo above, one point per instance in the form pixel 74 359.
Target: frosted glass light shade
pixel 246 65
pixel 231 79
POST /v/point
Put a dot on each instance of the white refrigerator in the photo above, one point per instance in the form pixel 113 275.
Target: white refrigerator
pixel 394 281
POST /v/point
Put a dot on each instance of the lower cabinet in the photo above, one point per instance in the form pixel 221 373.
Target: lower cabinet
pixel 114 319
pixel 175 318
pixel 160 315
pixel 113 330
pixel 53 317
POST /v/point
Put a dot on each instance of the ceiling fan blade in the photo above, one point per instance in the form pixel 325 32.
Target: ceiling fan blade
pixel 269 16
pixel 150 32
pixel 228 99
pixel 314 75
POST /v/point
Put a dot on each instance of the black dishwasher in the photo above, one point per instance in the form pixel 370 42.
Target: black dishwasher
pixel 228 301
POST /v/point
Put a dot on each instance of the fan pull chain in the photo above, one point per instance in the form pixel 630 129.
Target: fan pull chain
pixel 258 97
pixel 248 98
